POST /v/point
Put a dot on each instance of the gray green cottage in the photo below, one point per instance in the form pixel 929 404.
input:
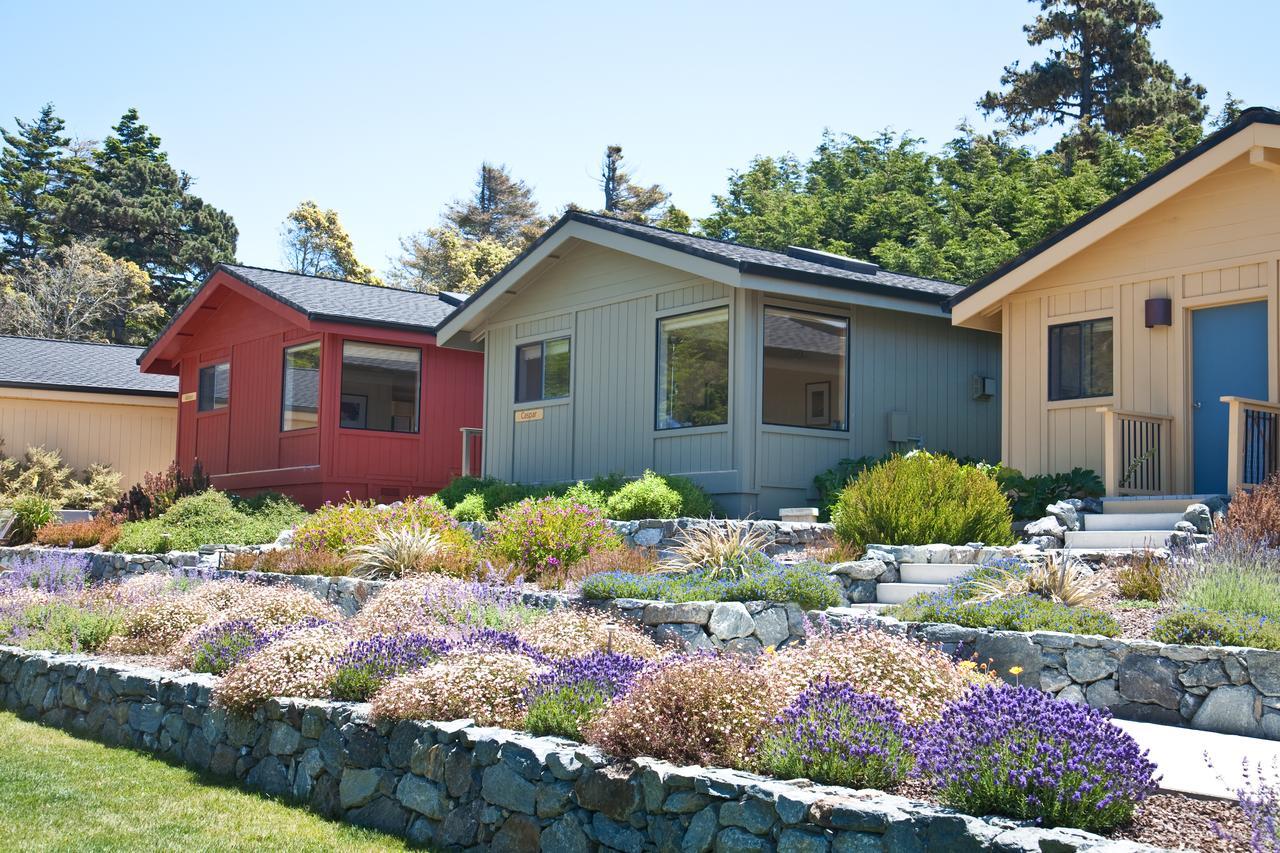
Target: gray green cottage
pixel 612 347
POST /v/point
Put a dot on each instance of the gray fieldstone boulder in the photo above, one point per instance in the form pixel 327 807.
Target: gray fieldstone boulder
pixel 864 570
pixel 1231 710
pixel 1047 526
pixel 730 620
pixel 1199 517
pixel 1065 513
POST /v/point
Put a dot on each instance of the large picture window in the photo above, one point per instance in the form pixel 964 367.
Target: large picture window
pixel 1080 360
pixel 379 387
pixel 300 395
pixel 542 370
pixel 693 369
pixel 805 369
pixel 214 391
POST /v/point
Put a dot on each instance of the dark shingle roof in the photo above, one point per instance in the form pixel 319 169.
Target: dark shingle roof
pixel 775 264
pixel 1253 115
pixel 78 366
pixel 347 301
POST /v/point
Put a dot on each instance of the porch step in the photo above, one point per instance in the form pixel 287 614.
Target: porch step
pixel 933 573
pixel 1095 539
pixel 1131 520
pixel 1159 504
pixel 896 593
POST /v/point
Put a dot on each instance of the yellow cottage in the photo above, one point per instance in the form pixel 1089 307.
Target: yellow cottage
pixel 1141 341
pixel 88 401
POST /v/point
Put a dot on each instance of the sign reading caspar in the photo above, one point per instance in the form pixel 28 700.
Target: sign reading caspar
pixel 524 415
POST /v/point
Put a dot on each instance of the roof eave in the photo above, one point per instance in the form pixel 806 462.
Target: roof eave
pixel 90 389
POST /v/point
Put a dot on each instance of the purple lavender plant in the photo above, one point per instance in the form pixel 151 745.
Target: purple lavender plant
pixel 218 647
pixel 53 572
pixel 833 734
pixel 487 639
pixel 1019 752
pixel 369 663
pixel 1258 797
pixel 564 699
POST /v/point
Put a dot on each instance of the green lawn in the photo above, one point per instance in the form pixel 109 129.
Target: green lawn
pixel 61 793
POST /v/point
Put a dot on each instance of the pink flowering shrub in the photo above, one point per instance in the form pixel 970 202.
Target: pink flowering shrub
pixel 566 632
pixel 155 626
pixel 920 679
pixel 270 607
pixel 541 538
pixel 301 664
pixel 485 685
pixel 700 709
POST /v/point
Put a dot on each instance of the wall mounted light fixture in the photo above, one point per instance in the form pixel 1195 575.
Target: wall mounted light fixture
pixel 1159 311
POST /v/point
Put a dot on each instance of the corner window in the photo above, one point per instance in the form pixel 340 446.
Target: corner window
pixel 1080 360
pixel 805 364
pixel 693 369
pixel 214 390
pixel 542 370
pixel 379 387
pixel 300 395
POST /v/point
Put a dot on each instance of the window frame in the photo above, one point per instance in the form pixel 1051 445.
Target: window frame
pixel 417 415
pixel 284 372
pixel 727 308
pixel 848 362
pixel 213 409
pixel 542 390
pixel 1054 358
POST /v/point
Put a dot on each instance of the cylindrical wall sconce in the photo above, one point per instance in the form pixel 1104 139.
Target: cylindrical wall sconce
pixel 1159 312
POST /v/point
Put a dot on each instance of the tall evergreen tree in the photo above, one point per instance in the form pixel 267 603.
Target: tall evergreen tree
pixel 502 209
pixel 1100 74
pixel 139 208
pixel 315 243
pixel 623 197
pixel 35 172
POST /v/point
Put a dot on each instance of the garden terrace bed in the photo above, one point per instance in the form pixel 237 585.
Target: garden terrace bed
pixel 456 786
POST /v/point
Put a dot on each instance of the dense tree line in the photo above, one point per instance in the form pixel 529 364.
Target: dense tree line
pixel 99 241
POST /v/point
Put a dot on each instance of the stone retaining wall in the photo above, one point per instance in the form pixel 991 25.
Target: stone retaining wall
pixel 456 786
pixel 1228 690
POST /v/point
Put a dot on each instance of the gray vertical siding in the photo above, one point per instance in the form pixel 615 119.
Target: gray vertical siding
pixel 610 302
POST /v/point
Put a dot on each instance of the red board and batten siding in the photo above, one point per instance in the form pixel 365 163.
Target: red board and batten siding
pixel 243 447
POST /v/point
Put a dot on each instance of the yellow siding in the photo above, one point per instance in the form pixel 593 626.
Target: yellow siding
pixel 1215 243
pixel 133 434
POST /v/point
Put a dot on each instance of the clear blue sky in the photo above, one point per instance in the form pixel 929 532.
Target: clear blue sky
pixel 383 110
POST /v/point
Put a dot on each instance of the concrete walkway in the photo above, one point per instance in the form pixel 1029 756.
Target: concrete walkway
pixel 1179 757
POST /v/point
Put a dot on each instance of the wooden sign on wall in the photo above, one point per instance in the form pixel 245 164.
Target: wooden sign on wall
pixel 524 415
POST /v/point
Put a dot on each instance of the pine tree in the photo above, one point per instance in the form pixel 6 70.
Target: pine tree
pixel 502 209
pixel 1100 74
pixel 137 207
pixel 623 197
pixel 315 243
pixel 35 171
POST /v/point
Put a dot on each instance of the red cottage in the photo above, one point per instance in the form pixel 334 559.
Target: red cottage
pixel 318 388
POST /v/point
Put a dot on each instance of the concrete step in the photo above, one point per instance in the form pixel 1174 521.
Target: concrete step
pixel 1131 520
pixel 896 593
pixel 934 572
pixel 867 609
pixel 1158 503
pixel 1092 539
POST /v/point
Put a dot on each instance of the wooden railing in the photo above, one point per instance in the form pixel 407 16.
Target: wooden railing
pixel 471 450
pixel 1253 441
pixel 1137 458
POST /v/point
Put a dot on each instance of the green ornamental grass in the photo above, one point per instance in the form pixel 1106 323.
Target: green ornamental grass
pixel 805 584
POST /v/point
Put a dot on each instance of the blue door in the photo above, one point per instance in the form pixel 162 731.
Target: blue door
pixel 1229 356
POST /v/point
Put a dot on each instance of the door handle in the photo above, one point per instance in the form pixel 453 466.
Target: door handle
pixel 1196 404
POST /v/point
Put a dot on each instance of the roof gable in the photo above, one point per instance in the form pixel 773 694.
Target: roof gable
pixel 1256 131
pixel 728 263
pixel 78 366
pixel 305 299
